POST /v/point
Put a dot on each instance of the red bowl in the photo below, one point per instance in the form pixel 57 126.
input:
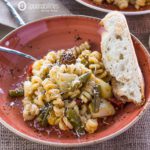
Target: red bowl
pixel 37 39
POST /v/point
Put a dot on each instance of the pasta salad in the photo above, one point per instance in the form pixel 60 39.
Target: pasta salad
pixel 69 89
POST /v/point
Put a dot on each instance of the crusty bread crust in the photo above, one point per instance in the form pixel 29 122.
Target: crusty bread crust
pixel 120 59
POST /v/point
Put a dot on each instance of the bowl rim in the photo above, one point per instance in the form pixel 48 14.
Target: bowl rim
pixel 39 141
pixel 129 13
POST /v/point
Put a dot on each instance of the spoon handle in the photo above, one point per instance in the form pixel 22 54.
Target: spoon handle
pixel 8 50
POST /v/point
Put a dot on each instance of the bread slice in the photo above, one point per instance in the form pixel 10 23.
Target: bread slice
pixel 120 59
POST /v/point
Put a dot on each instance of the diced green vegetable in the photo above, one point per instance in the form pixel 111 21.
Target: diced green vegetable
pixel 75 121
pixel 81 80
pixel 16 93
pixel 97 98
pixel 106 89
pixel 43 116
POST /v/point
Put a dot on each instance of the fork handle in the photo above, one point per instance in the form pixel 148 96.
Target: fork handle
pixel 8 50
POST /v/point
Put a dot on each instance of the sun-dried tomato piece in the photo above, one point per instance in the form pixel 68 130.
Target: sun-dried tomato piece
pixel 115 102
pixel 29 71
pixel 78 101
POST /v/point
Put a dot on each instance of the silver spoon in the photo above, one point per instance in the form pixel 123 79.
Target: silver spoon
pixel 8 50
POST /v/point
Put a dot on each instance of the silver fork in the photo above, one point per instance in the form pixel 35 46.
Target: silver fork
pixel 15 14
pixel 12 51
pixel 21 22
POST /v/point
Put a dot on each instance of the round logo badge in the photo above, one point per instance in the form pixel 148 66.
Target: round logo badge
pixel 22 6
